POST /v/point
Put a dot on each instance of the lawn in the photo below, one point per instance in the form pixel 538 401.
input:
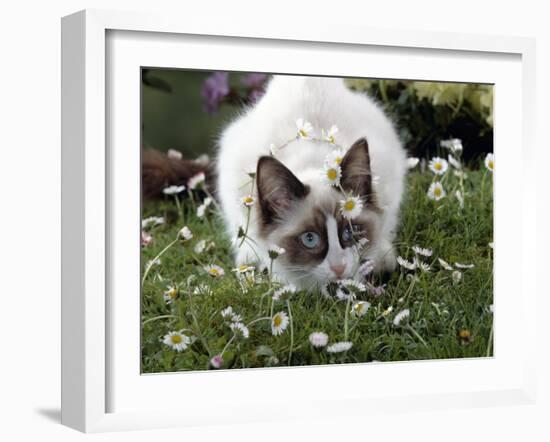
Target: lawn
pixel 449 310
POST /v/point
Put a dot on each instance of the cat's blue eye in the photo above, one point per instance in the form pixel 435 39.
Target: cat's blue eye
pixel 310 239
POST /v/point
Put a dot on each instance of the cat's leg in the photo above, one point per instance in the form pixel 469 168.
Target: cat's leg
pixel 246 254
pixel 386 261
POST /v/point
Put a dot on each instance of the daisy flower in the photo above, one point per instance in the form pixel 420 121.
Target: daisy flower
pixel 445 264
pixel 464 266
pixel 227 313
pixel 170 294
pixel 438 165
pixel 305 129
pixel 351 207
pixel 214 270
pixel 353 285
pixel 334 158
pixel 339 347
pixel 318 339
pixel 202 289
pixel 185 233
pixel 153 262
pixel 436 191
pixel 387 311
pixel 173 190
pixel 490 162
pixel 360 308
pixel 240 329
pixel 174 154
pixel 454 162
pixel 412 162
pixel 332 175
pixel 195 180
pixel 420 251
pixel 329 135
pixel 146 239
pixel 422 265
pixel 176 340
pixel 403 314
pixel 453 144
pixel 202 208
pixel 248 200
pixel 457 276
pixel 284 293
pixel 216 361
pixel 200 246
pixel 154 220
pixel 275 251
pixel 460 174
pixel 406 264
pixel 348 288
pixel 279 322
pixel 243 269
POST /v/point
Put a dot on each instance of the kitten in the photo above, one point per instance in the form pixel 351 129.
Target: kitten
pixel 294 208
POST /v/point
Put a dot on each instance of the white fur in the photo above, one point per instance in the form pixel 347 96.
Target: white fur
pixel 323 102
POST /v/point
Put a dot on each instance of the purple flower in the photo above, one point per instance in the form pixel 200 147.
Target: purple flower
pixel 217 361
pixel 255 81
pixel 377 291
pixel 366 268
pixel 214 90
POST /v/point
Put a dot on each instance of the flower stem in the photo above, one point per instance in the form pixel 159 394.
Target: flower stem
pixel 152 262
pixel 417 335
pixel 291 332
pixel 346 318
pixel 179 206
pixel 246 228
pixel 158 317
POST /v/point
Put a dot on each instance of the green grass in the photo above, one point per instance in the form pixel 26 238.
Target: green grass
pixel 439 308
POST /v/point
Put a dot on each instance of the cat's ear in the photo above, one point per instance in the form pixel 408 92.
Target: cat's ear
pixel 356 172
pixel 278 188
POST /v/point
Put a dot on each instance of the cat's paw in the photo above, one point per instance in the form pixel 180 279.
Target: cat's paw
pixel 387 262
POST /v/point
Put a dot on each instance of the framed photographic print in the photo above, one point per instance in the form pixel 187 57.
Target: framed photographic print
pixel 291 221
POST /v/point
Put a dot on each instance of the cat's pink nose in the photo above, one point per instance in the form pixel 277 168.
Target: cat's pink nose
pixel 338 269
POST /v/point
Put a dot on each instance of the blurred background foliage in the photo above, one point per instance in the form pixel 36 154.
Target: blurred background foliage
pixel 186 110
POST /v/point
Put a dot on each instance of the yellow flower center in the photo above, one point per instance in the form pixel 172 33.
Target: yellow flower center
pixel 172 293
pixel 464 334
pixel 248 200
pixel 338 160
pixel 491 165
pixel 349 205
pixel 277 320
pixel 303 133
pixel 214 272
pixel 332 174
pixel 176 339
pixel 437 191
pixel 438 166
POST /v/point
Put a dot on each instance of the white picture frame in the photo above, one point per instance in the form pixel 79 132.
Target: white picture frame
pixel 87 235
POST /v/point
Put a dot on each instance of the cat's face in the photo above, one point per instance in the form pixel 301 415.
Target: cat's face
pixel 307 221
